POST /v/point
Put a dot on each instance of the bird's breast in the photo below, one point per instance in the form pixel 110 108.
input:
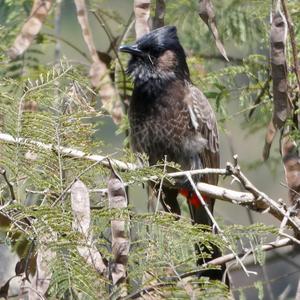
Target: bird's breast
pixel 162 127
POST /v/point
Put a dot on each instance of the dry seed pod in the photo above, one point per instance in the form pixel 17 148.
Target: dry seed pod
pixel 120 244
pixel 279 72
pixel 207 14
pixel 31 28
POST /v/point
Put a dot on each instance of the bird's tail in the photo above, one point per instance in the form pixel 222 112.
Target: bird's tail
pixel 199 216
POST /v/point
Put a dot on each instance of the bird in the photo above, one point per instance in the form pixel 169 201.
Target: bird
pixel 171 118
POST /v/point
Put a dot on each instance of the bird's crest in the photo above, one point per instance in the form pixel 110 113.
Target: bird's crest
pixel 163 37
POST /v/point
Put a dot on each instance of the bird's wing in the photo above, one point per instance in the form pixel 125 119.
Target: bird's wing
pixel 204 121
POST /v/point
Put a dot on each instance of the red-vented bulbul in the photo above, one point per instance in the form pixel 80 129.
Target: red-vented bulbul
pixel 171 117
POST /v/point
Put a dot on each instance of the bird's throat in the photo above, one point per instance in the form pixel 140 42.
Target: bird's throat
pixel 154 86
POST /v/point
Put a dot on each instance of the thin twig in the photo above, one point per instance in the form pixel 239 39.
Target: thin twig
pixel 258 201
pixel 170 281
pixel 57 22
pixel 35 291
pixel 54 37
pixel 290 189
pixel 263 90
pixel 102 22
pixel 216 225
pixel 62 195
pixel 70 152
pixel 161 184
pixel 296 241
pixel 10 186
pixel 263 201
pixel 14 222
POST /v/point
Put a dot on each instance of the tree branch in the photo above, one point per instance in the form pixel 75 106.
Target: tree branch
pixel 171 281
pixel 255 199
pixel 66 151
pixel 262 201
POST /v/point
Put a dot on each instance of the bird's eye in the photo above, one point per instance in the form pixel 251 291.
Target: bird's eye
pixel 144 49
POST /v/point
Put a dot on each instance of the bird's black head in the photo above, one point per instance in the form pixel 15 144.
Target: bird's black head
pixel 157 56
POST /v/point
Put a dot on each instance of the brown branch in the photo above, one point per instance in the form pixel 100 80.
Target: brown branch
pixel 171 281
pixel 261 202
pixel 230 257
pixel 240 198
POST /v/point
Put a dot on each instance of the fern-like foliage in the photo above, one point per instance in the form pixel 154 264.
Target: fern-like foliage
pixel 46 110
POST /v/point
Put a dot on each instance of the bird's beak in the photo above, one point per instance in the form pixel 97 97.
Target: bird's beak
pixel 132 49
